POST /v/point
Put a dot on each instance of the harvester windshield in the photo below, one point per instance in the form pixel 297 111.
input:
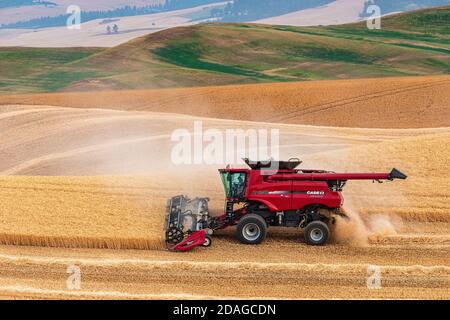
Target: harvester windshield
pixel 233 183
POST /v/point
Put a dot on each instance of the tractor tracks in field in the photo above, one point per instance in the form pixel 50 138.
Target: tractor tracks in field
pixel 15 113
pixel 235 272
pixel 216 266
pixel 343 102
pixel 440 240
pixel 24 291
pixel 145 278
pixel 175 98
pixel 15 170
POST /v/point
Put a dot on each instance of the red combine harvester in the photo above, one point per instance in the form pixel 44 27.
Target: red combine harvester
pixel 272 193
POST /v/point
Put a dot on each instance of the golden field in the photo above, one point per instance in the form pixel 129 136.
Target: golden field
pixel 84 179
pixel 408 102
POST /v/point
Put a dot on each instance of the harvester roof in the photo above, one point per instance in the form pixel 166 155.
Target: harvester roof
pixel 291 164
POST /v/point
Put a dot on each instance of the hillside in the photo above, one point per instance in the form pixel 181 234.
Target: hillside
pixel 49 138
pixel 405 102
pixel 426 25
pixel 336 12
pixel 22 13
pixel 93 31
pixel 22 67
pixel 213 54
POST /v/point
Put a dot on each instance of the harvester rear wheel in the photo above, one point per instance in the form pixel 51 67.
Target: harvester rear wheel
pixel 317 233
pixel 251 229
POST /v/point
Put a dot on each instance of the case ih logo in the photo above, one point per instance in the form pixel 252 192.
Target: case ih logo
pixel 315 193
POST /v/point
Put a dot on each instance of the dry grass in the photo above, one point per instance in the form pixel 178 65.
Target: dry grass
pixel 68 212
pixel 324 272
pixel 89 212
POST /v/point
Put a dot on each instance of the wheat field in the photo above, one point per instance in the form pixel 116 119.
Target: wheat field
pixel 405 102
pixel 88 186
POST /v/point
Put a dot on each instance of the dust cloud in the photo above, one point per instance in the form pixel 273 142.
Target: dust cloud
pixel 358 231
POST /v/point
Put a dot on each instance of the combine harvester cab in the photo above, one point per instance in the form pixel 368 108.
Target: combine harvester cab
pixel 272 193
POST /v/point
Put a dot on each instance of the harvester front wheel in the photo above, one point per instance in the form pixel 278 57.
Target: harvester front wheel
pixel 208 241
pixel 317 233
pixel 251 229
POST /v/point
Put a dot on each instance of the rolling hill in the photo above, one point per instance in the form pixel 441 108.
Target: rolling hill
pixel 336 12
pixel 405 102
pixel 216 54
pixel 93 29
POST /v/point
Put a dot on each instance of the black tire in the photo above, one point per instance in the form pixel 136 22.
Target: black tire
pixel 317 233
pixel 251 229
pixel 208 241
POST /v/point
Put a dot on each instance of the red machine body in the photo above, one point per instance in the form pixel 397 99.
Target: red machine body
pixel 195 239
pixel 273 193
pixel 286 190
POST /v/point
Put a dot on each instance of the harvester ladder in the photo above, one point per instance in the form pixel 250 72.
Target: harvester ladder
pixel 229 213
